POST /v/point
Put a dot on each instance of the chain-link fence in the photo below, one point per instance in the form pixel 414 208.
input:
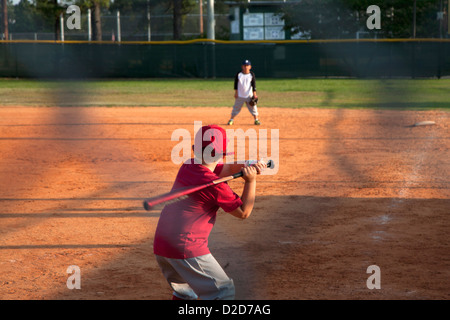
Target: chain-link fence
pixel 133 28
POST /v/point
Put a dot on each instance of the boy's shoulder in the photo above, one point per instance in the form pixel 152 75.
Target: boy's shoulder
pixel 198 172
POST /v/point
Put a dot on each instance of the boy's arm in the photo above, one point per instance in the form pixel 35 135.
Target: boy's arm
pixel 254 85
pixel 229 169
pixel 249 192
pixel 236 79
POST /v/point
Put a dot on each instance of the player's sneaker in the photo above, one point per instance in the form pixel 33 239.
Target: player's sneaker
pixel 231 122
pixel 257 122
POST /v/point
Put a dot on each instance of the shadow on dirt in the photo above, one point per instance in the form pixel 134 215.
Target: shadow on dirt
pixel 292 247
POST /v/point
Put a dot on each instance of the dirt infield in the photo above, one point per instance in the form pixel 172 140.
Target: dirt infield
pixel 354 188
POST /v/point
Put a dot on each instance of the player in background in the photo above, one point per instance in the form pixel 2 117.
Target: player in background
pixel 244 91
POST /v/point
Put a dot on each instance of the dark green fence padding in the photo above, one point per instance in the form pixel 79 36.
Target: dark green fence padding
pixel 210 59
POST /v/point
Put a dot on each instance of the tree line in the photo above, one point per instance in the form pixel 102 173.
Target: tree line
pixel 331 19
pixel 43 15
pixel 320 19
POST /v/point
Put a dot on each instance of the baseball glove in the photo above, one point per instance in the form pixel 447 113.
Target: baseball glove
pixel 253 101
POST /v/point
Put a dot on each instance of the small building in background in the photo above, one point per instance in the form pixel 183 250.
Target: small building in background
pixel 260 20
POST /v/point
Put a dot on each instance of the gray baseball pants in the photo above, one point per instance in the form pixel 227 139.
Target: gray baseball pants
pixel 200 277
pixel 239 102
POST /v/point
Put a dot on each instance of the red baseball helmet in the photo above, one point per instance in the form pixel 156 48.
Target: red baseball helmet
pixel 213 136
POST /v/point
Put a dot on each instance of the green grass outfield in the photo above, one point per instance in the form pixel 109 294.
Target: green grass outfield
pixel 287 93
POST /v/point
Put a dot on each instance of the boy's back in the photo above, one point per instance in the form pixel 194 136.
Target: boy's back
pixel 184 226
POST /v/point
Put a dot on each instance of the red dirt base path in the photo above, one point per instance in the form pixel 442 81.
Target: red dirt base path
pixel 354 188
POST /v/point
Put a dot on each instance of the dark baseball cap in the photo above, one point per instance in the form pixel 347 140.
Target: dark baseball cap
pixel 246 63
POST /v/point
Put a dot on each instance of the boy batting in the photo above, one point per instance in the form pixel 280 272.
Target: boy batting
pixel 244 92
pixel 181 236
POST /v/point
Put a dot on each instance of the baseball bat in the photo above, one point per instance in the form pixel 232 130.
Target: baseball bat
pixel 177 194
